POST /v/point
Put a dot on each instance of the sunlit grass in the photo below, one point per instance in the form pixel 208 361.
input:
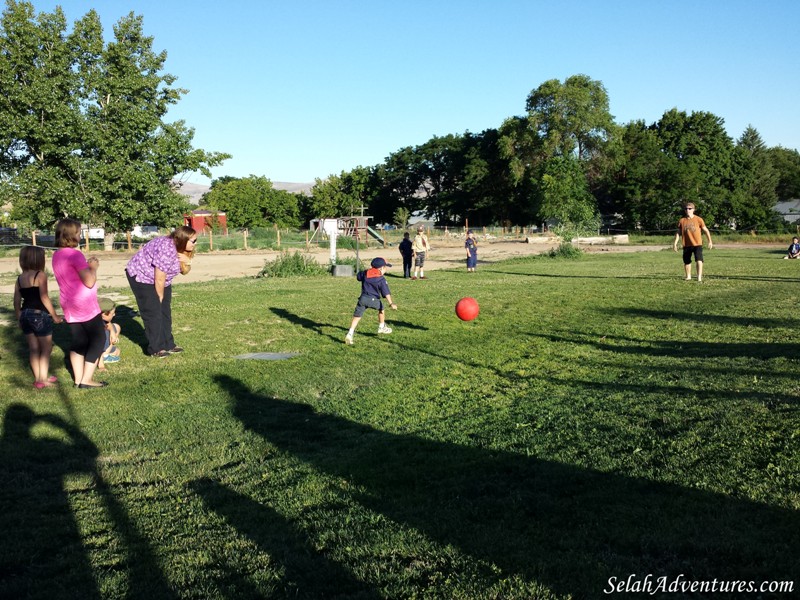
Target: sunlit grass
pixel 601 417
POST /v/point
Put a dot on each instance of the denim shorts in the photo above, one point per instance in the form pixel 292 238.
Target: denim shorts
pixel 36 322
pixel 365 302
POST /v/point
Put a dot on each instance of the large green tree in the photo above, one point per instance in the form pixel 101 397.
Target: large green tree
pixel 571 118
pixel 82 128
pixel 253 202
pixel 787 163
pixel 753 195
pixel 704 153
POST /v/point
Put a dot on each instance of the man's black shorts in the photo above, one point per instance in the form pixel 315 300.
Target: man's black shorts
pixel 689 250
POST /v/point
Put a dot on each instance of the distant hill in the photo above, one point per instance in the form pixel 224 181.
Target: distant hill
pixel 194 191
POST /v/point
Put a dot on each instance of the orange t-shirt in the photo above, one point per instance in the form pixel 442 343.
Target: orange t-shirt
pixel 691 231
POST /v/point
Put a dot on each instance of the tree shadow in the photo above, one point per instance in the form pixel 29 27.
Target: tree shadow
pixel 307 572
pixel 566 527
pixel 42 553
pixel 703 318
pixel 679 348
pixel 563 276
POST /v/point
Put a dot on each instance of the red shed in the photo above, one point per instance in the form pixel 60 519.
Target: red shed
pixel 203 221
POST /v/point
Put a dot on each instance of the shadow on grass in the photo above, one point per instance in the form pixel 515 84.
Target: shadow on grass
pixel 568 528
pixel 306 323
pixel 563 276
pixel 131 327
pixel 318 327
pixel 42 552
pixel 306 572
pixel 695 317
pixel 679 348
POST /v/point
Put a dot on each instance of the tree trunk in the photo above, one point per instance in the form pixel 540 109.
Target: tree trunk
pixel 108 242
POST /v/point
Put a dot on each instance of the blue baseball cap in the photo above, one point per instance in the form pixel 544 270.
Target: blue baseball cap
pixel 379 262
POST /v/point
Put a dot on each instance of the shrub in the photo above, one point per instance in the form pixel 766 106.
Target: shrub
pixel 565 250
pixel 292 265
pixel 358 265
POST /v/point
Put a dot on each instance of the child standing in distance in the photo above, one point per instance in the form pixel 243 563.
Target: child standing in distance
pixel 407 252
pixel 111 349
pixel 471 246
pixel 420 252
pixel 794 249
pixel 690 230
pixel 35 313
pixel 373 288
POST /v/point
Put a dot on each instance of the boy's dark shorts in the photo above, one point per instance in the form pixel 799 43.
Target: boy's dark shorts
pixel 689 250
pixel 365 302
pixel 36 322
pixel 419 260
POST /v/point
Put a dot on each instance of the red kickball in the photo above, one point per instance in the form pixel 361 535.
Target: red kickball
pixel 467 309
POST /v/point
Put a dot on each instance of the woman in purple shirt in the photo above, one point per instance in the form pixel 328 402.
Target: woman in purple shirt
pixel 150 274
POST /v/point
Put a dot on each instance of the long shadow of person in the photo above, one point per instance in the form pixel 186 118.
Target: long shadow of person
pixel 568 528
pixel 42 554
pixel 305 323
pixel 307 573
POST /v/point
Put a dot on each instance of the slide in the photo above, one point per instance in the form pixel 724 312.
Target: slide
pixel 375 234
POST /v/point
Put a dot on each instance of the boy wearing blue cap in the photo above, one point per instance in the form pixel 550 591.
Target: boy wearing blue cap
pixel 373 288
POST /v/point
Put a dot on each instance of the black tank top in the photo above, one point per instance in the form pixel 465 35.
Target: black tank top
pixel 31 297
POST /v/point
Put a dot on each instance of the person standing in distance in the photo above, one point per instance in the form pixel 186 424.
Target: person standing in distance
pixel 421 248
pixel 690 230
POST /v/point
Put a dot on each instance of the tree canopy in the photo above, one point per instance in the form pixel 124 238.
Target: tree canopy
pixel 82 130
pixel 253 202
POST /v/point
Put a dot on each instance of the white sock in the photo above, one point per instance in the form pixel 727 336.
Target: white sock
pixel 351 332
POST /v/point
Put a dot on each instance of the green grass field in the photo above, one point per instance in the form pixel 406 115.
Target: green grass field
pixel 600 418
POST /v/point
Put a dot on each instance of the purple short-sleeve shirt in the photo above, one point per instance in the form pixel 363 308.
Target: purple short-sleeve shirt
pixel 159 252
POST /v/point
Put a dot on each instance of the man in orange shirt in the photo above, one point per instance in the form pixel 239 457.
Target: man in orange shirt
pixel 690 230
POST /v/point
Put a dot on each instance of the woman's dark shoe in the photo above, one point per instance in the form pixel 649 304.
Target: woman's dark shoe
pixel 86 386
pixel 175 350
pixel 160 354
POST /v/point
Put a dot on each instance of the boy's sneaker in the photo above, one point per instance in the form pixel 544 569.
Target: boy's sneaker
pixel 111 358
pixel 348 339
pixel 384 329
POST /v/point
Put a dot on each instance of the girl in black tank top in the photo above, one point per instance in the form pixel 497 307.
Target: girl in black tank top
pixel 35 313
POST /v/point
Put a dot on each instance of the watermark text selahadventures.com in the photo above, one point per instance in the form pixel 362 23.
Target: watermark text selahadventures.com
pixel 661 585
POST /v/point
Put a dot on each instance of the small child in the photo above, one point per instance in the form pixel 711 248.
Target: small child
pixel 35 313
pixel 794 249
pixel 407 252
pixel 471 246
pixel 111 349
pixel 373 288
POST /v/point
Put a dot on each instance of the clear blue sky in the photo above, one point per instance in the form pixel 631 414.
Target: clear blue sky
pixel 299 89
